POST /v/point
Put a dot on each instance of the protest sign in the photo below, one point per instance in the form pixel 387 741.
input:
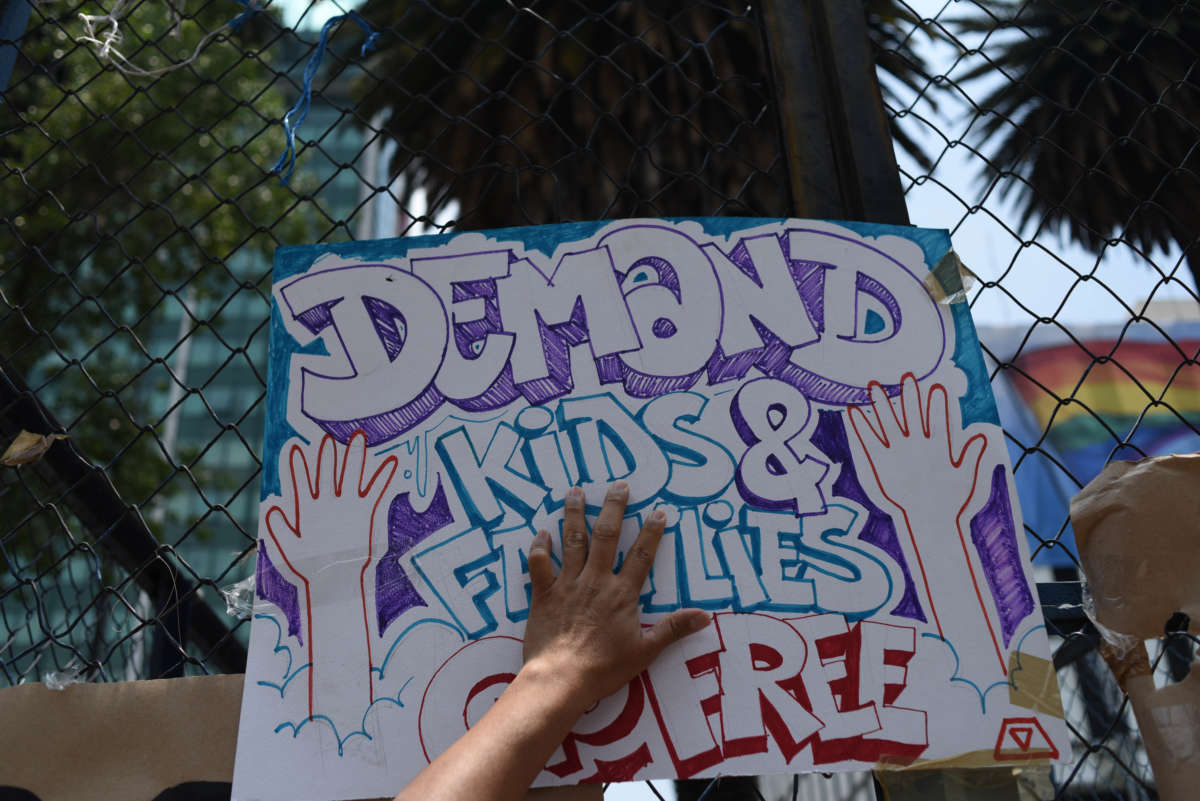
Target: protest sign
pixel 806 401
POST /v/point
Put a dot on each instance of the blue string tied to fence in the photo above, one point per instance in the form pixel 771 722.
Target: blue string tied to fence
pixel 298 112
pixel 237 22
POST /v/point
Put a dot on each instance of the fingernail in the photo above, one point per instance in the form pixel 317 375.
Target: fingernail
pixel 541 539
pixel 619 488
pixel 575 494
pixel 658 516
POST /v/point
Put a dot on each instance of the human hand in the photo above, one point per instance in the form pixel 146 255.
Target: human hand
pixel 584 630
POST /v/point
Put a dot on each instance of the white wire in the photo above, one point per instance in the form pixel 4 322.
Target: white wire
pixel 103 31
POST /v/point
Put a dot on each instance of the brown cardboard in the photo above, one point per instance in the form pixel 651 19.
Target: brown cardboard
pixel 1169 719
pixel 128 740
pixel 1137 525
pixel 976 784
pixel 132 740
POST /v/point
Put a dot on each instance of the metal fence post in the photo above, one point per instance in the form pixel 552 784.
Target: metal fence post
pixel 119 529
pixel 835 135
pixel 13 19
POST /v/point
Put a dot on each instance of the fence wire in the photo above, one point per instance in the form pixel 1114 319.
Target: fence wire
pixel 1058 140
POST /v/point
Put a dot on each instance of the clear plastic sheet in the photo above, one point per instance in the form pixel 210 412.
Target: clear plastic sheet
pixel 62 679
pixel 239 598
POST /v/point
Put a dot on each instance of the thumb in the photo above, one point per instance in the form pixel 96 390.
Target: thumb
pixel 972 454
pixel 674 627
pixel 277 523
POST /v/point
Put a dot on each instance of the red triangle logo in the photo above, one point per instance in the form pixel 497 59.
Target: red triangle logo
pixel 1022 735
pixel 1023 739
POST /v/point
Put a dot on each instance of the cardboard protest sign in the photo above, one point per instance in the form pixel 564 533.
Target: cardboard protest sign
pixel 805 400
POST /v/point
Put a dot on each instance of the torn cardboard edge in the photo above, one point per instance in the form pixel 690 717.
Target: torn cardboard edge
pixel 1017 783
pixel 971 759
pixel 118 740
pixel 160 722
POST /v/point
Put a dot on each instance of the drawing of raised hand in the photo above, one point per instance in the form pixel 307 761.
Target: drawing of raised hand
pixel 327 533
pixel 911 449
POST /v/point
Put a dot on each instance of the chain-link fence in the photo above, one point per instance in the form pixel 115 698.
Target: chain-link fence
pixel 1057 139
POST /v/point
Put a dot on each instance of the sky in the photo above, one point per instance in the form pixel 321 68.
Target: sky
pixel 1036 274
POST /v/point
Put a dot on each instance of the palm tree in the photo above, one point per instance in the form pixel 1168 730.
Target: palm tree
pixel 1097 123
pixel 892 27
pixel 555 111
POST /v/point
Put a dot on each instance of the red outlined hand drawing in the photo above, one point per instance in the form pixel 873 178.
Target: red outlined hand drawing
pixel 328 533
pixel 910 447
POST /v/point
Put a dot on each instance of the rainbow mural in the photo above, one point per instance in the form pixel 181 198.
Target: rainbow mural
pixel 1112 393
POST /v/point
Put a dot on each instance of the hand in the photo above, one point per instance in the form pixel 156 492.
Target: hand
pixel 322 510
pixel 583 642
pixel 918 469
pixel 920 437
pixel 584 629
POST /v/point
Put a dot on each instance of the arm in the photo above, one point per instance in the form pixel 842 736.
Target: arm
pixel 923 429
pixel 583 642
pixel 330 482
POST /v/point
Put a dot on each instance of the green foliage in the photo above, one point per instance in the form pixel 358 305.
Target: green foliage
pixel 129 202
pixel 1096 125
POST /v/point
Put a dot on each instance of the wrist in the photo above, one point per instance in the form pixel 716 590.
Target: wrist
pixel 562 686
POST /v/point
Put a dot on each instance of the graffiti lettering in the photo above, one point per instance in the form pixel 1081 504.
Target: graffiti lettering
pixel 808 683
pixel 657 309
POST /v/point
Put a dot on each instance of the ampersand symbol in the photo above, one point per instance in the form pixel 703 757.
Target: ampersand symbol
pixel 768 415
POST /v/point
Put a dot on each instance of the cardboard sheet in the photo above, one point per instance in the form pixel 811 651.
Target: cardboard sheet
pixel 1138 529
pixel 135 741
pixel 814 419
pixel 130 740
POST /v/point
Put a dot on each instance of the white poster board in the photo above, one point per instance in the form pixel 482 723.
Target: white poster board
pixel 806 400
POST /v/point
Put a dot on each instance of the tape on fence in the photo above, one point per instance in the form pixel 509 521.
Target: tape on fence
pixel 239 598
pixel 950 280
